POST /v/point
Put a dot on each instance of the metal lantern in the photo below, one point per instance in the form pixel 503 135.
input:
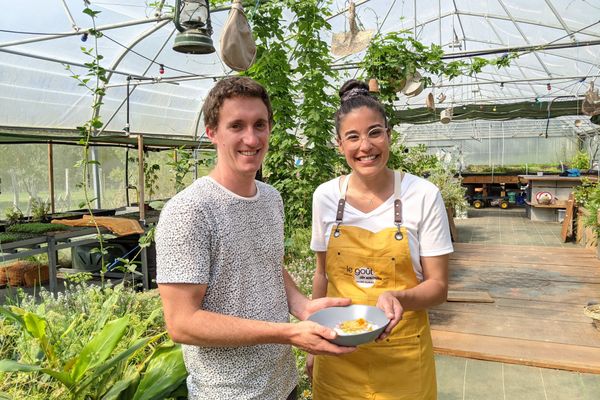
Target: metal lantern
pixel 192 20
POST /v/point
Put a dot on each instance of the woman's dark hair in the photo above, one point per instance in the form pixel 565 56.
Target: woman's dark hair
pixel 355 94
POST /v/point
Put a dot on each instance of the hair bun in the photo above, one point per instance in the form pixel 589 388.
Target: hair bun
pixel 353 88
pixel 355 92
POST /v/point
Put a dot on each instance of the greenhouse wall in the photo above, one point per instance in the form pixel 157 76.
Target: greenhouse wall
pixel 24 176
pixel 498 151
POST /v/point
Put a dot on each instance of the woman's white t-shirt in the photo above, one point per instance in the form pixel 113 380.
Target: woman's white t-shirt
pixel 423 215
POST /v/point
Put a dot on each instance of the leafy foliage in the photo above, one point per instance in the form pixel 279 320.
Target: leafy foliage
pixel 315 113
pixel 88 343
pixel 587 195
pixel 8 237
pixel 36 228
pixel 394 56
pixel 13 215
pixel 581 160
pixel 181 163
pixel 94 81
pixel 273 70
pixel 39 210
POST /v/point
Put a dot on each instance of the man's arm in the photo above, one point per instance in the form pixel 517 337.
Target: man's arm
pixel 188 323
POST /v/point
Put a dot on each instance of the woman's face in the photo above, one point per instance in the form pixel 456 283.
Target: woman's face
pixel 364 141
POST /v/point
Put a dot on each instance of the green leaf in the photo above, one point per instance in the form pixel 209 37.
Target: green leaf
pixel 90 12
pixel 100 347
pixel 13 366
pixel 164 373
pixel 101 369
pixel 116 391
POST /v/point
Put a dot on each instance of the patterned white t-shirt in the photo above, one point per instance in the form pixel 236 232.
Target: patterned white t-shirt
pixel 209 235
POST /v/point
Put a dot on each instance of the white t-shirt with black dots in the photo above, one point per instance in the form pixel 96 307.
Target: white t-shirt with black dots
pixel 209 235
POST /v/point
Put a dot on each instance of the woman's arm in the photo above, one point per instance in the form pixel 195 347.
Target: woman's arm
pixel 434 288
pixel 320 278
pixel 432 291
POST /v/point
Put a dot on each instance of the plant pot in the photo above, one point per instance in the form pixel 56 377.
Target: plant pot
pixel 446 116
pixel 414 85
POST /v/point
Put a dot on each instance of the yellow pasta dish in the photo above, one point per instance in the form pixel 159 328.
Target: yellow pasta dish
pixel 354 326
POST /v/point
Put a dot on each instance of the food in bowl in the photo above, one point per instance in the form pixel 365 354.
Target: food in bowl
pixel 354 326
pixel 358 314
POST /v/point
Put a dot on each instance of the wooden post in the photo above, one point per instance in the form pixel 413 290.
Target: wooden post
pixel 51 177
pixel 141 182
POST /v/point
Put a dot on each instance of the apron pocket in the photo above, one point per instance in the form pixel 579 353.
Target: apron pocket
pixel 396 365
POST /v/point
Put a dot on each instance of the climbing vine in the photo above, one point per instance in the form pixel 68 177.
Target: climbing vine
pixel 272 69
pixel 318 104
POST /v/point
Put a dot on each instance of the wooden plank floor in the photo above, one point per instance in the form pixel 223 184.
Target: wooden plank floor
pixel 537 314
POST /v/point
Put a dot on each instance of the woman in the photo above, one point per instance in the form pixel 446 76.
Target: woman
pixel 381 238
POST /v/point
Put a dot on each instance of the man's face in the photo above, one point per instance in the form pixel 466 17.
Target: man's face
pixel 241 136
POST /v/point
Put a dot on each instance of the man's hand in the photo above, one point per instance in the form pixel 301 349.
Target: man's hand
pixel 315 305
pixel 393 310
pixel 312 337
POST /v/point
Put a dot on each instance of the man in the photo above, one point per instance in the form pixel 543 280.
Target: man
pixel 220 271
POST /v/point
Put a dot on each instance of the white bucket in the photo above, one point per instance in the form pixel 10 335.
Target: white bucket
pixel 561 215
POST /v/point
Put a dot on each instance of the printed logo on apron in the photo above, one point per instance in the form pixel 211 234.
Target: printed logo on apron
pixel 364 276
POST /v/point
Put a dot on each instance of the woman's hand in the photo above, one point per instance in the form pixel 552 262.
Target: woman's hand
pixel 310 361
pixel 393 310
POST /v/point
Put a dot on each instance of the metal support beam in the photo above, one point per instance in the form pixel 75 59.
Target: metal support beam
pixel 560 19
pixel 116 63
pixel 51 177
pixel 100 28
pixel 524 36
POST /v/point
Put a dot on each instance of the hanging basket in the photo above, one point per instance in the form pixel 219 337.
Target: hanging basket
pixel 593 312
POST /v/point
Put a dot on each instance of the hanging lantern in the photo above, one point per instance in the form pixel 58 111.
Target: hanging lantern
pixel 192 20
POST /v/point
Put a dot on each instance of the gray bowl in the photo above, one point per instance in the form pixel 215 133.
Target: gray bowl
pixel 332 316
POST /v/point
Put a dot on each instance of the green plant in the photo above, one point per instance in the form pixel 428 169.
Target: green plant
pixel 450 187
pixel 88 343
pixel 587 195
pixel 39 210
pixel 36 228
pixel 581 160
pixel 13 215
pixel 394 56
pixel 7 237
pixel 414 159
pixel 151 177
pixel 181 164
pixel 94 80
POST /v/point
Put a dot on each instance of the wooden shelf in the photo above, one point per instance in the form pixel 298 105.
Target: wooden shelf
pixel 559 204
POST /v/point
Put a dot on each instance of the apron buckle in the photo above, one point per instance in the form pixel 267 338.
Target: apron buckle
pixel 399 235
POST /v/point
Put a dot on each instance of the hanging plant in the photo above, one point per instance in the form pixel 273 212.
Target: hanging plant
pixel 395 56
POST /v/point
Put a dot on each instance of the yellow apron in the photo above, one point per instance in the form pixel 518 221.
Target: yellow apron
pixel 361 265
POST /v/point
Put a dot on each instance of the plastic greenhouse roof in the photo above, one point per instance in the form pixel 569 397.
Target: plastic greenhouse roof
pixel 37 93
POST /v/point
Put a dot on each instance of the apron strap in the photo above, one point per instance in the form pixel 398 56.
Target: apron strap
pixel 339 216
pixel 398 204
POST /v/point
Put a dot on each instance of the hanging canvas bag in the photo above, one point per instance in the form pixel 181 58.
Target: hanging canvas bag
pixel 238 49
